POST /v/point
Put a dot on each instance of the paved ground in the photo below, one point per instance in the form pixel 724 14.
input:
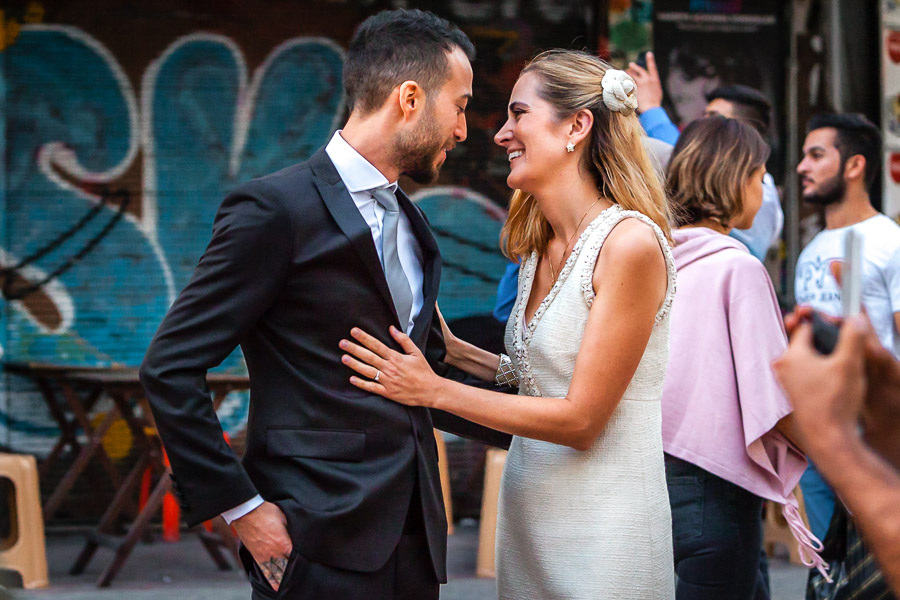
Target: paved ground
pixel 183 570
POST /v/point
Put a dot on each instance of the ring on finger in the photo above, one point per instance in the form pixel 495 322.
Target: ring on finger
pixel 377 375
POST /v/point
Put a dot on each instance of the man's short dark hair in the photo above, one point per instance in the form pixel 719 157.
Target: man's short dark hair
pixel 749 104
pixel 855 135
pixel 400 45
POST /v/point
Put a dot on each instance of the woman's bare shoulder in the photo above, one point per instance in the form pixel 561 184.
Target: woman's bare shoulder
pixel 633 244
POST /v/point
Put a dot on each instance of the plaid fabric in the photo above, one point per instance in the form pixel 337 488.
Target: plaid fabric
pixel 853 569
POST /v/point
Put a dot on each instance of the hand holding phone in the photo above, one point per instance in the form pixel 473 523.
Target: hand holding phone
pixel 641 60
pixel 825 333
pixel 646 77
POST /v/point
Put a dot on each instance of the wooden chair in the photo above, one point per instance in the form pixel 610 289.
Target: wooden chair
pixel 24 550
pixel 494 461
pixel 444 469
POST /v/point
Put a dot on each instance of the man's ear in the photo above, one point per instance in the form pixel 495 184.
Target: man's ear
pixel 855 168
pixel 580 126
pixel 411 98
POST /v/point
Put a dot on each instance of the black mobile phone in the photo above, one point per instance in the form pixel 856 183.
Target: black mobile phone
pixel 825 334
pixel 641 60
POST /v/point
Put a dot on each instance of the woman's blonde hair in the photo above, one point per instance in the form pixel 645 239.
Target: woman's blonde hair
pixel 615 158
pixel 711 162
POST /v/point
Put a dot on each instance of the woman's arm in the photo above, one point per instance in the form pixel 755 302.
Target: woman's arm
pixel 468 357
pixel 633 273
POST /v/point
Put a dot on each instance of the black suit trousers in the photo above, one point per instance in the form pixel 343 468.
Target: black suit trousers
pixel 408 574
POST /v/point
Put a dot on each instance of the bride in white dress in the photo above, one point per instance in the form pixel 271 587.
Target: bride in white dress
pixel 584 511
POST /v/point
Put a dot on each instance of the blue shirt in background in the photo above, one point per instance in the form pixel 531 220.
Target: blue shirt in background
pixel 658 125
pixel 506 292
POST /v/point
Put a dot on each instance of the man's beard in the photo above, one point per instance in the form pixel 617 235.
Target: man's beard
pixel 416 152
pixel 830 192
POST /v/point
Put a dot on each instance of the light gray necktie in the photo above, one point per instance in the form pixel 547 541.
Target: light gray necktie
pixel 397 280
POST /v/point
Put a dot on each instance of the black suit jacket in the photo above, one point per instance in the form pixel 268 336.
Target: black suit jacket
pixel 291 268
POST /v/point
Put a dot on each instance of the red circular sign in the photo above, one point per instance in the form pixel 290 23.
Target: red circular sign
pixel 895 166
pixel 893 46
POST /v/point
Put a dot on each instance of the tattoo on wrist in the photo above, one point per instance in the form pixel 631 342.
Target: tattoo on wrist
pixel 273 569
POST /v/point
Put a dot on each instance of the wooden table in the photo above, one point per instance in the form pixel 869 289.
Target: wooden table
pixel 70 406
pixel 81 388
pixel 124 388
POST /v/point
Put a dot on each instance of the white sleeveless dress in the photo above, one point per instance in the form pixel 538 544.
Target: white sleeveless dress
pixel 592 525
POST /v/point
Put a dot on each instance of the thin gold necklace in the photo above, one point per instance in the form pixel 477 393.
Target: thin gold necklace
pixel 562 260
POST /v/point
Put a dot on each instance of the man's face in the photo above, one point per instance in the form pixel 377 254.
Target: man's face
pixel 422 150
pixel 821 170
pixel 720 107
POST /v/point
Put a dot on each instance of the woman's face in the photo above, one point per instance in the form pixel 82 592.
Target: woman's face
pixel 534 139
pixel 751 197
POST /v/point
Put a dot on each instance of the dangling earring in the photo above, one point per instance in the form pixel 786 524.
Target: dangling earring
pixel 570 147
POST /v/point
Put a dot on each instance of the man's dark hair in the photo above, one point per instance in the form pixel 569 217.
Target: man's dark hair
pixel 749 104
pixel 394 46
pixel 855 135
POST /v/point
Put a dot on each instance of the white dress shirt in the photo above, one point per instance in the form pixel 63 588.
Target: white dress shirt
pixel 359 177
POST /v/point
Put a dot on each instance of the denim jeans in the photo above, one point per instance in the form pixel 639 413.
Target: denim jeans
pixel 717 532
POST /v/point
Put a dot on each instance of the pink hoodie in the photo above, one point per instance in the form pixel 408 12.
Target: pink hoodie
pixel 720 400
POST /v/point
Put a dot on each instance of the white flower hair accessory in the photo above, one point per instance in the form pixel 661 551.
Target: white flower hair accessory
pixel 619 91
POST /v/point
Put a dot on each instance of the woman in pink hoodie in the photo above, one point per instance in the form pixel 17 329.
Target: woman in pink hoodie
pixel 726 422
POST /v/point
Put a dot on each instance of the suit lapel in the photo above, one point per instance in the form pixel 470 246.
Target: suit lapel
pixel 431 267
pixel 342 208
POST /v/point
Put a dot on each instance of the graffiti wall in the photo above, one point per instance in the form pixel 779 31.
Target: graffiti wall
pixel 123 128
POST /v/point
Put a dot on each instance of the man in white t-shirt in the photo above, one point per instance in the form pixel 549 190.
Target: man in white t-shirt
pixel 841 158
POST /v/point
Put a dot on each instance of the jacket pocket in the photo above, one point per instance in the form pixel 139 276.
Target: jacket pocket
pixel 327 444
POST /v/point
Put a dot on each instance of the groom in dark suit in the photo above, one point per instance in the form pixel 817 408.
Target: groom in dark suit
pixel 338 494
